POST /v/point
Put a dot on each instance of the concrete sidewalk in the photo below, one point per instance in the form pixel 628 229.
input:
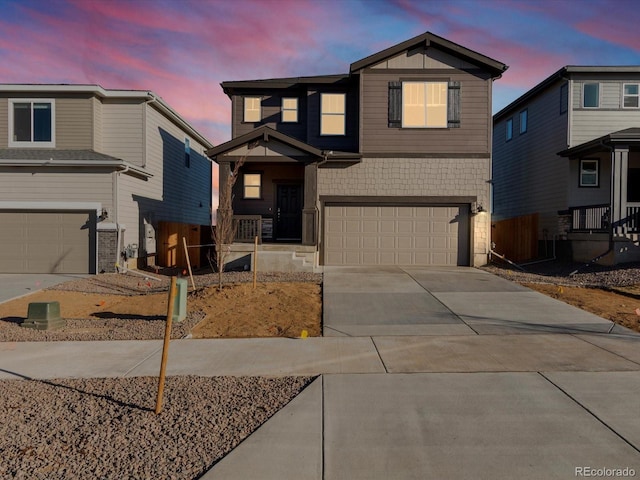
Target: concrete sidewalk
pixel 15 285
pixel 454 374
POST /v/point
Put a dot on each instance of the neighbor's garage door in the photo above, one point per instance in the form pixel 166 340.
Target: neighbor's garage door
pixel 45 242
pixel 394 235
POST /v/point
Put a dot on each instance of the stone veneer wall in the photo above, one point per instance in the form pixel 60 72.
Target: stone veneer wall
pixel 107 251
pixel 419 177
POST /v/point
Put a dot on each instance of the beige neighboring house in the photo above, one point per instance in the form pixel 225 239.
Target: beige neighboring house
pixel 86 174
pixel 386 164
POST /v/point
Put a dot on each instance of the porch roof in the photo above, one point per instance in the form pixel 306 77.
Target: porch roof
pixel 628 137
pixel 266 134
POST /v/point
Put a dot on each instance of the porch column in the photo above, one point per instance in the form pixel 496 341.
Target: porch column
pixel 309 213
pixel 619 172
pixel 224 196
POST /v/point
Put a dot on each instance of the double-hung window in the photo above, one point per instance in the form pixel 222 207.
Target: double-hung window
pixel 252 185
pixel 589 173
pixel 591 95
pixel 289 110
pixel 424 104
pixel 631 95
pixel 252 110
pixel 32 122
pixel 332 114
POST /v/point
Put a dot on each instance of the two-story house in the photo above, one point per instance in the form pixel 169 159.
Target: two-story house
pixel 569 151
pixel 388 164
pixel 87 173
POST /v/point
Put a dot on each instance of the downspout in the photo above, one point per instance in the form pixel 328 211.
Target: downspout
pixel 119 266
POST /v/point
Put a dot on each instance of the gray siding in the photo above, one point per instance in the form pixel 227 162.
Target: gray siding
pixel 74 123
pixel 528 175
pixel 4 123
pixel 123 130
pixel 42 185
pixel 97 125
pixel 581 196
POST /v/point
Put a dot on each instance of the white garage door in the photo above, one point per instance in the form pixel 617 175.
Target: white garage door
pixel 46 242
pixel 396 235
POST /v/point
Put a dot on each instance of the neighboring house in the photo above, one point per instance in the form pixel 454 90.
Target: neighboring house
pixel 388 164
pixel 86 173
pixel 569 150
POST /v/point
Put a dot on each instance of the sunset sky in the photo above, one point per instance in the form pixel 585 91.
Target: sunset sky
pixel 183 49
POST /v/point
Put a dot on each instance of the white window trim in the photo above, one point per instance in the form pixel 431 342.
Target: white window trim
pixel 589 185
pixel 599 94
pixel 31 144
pixel 636 95
pixel 333 114
pixel 426 106
pixel 283 109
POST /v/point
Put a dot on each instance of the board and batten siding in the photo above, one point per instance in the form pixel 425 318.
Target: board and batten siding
pixel 123 130
pixel 590 123
pixel 528 175
pixel 40 185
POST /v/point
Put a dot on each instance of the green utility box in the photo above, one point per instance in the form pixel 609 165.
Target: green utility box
pixel 180 302
pixel 44 316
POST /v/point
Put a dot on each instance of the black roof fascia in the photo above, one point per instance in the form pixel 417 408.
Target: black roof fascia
pixel 626 136
pixel 231 87
pixel 495 67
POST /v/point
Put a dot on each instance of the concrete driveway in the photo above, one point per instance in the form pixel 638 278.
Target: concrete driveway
pixel 14 285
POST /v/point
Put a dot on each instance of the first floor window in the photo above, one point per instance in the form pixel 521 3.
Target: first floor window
pixel 252 112
pixel 588 173
pixel 630 95
pixel 591 95
pixel 252 185
pixel 31 123
pixel 289 110
pixel 424 104
pixel 332 114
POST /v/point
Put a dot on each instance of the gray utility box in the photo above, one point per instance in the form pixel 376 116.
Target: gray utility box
pixel 44 316
pixel 180 302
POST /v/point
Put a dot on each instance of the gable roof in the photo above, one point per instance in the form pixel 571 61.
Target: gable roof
pixel 563 73
pixel 97 90
pixel 267 133
pixel 628 136
pixel 427 39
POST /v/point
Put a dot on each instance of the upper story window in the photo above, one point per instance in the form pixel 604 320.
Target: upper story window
pixel 252 185
pixel 589 173
pixel 630 95
pixel 252 111
pixel 424 104
pixel 187 153
pixel 564 98
pixel 524 115
pixel 332 113
pixel 289 110
pixel 509 130
pixel 32 122
pixel 591 95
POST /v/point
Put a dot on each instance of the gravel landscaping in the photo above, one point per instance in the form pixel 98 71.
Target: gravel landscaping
pixel 107 428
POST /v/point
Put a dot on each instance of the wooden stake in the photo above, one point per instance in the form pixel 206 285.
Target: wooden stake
pixel 165 347
pixel 186 252
pixel 255 262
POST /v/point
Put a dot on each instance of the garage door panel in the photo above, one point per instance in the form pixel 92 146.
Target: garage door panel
pixel 47 242
pixel 396 235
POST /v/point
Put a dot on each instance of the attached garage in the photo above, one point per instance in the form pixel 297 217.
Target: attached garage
pixel 396 235
pixel 47 242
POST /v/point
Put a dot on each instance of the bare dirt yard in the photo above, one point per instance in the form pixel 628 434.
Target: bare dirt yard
pixel 128 306
pixel 609 292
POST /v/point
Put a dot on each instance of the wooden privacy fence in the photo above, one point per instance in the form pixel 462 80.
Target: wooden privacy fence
pixel 516 238
pixel 170 247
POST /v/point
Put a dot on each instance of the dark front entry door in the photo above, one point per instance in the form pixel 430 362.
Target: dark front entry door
pixel 289 213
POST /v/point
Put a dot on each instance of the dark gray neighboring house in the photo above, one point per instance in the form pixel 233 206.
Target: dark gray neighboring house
pixel 87 173
pixel 388 164
pixel 569 150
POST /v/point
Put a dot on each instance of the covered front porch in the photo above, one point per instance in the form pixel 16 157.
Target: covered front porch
pixel 604 197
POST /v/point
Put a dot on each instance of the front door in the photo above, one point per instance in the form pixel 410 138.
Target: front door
pixel 288 213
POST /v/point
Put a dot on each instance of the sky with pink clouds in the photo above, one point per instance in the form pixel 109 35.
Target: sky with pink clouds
pixel 183 49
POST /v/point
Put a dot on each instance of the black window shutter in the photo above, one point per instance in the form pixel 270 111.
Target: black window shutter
pixel 395 104
pixel 453 105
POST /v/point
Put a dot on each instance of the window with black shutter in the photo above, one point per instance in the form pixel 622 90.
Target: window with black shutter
pixel 396 104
